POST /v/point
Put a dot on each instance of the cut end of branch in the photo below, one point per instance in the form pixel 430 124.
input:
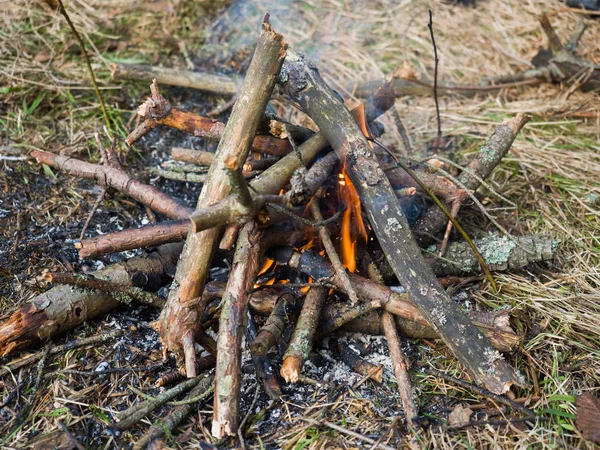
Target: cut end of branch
pixel 290 369
pixel 517 122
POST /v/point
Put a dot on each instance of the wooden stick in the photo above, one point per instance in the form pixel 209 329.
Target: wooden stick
pixel 332 253
pixel 131 416
pixel 218 84
pixel 400 367
pixel 200 157
pixel 274 326
pixel 158 111
pixel 232 326
pixel 177 415
pixel 132 238
pixel 304 85
pixel 179 319
pixel 490 155
pixel 262 365
pixel 111 177
pixel 355 362
pixel 301 342
pixel 64 307
pixel 123 294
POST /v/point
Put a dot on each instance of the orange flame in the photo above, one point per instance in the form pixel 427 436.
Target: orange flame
pixel 352 216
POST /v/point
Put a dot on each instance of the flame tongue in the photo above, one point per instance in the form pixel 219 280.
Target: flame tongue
pixel 353 226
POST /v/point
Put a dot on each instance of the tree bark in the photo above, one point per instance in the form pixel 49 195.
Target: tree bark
pixel 232 327
pixel 180 318
pixel 302 83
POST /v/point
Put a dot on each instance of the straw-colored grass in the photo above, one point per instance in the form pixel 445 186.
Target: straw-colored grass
pixel 551 174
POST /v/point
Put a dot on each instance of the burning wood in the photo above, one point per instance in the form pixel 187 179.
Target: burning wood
pixel 306 187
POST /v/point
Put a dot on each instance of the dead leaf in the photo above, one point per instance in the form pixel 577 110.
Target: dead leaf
pixel 460 415
pixel 588 416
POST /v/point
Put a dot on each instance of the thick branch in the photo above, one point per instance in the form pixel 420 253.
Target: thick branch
pixel 180 318
pixel 301 342
pixel 64 307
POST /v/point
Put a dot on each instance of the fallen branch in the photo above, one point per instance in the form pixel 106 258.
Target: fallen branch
pixel 111 177
pixel 489 156
pixel 301 342
pixel 64 307
pixel 158 111
pixel 400 367
pixel 179 319
pixel 303 84
pixel 123 294
pixel 218 84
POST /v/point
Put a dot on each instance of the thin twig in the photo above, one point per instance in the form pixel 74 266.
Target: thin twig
pixel 63 11
pixel 435 77
pixel 479 390
pixel 331 252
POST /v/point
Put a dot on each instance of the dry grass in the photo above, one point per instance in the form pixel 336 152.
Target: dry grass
pixel 552 172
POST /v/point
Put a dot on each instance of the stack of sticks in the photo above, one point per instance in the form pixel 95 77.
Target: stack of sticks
pixel 268 192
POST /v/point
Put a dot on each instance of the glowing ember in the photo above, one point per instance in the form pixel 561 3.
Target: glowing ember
pixel 353 226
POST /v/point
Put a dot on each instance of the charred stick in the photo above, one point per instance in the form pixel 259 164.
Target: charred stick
pixel 355 362
pixel 400 367
pixel 111 177
pixel 374 295
pixel 179 319
pixel 158 111
pixel 123 294
pixel 231 330
pixel 262 365
pixel 301 342
pixel 64 307
pixel 199 392
pixel 128 418
pixel 302 191
pixel 489 156
pixel 302 83
pixel 271 331
pixel 132 238
pixel 218 84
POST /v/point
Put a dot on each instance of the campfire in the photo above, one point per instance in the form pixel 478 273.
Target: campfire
pixel 319 235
